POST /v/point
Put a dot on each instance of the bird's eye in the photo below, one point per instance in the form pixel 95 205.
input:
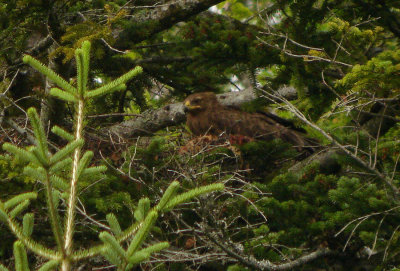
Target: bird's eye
pixel 196 101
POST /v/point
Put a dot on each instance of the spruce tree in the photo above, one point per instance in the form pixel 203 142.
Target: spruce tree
pixel 46 167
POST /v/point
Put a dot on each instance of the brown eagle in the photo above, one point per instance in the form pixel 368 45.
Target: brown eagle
pixel 205 115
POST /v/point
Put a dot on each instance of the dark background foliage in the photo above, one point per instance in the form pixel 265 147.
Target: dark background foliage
pixel 340 58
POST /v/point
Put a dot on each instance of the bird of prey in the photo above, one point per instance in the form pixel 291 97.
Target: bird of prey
pixel 205 115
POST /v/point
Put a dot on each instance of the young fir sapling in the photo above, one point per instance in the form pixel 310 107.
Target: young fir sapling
pixel 46 167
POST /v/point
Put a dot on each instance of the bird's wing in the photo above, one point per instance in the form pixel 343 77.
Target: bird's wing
pixel 233 121
pixel 285 122
pixel 259 126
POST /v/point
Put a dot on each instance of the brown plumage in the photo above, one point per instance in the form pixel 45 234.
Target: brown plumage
pixel 205 115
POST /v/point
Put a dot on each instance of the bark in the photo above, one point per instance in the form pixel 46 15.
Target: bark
pixel 152 21
pixel 236 24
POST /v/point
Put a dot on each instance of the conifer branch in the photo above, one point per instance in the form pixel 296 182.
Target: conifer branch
pixel 84 162
pixel 59 183
pixel 131 230
pixel 137 258
pixel 142 227
pixel 21 153
pixel 79 71
pixel 194 193
pixel 3 268
pixel 86 62
pixel 38 173
pixel 63 95
pixel 27 224
pixel 3 214
pixel 113 244
pixel 142 233
pixel 50 265
pixel 18 199
pixel 116 84
pixel 21 259
pixel 67 150
pixel 70 217
pixel 114 224
pixel 49 165
pixel 382 177
pixel 56 196
pixel 62 133
pixel 100 92
pixel 54 217
pixel 19 208
pixel 168 194
pixel 40 134
pixel 142 209
pixel 145 253
pixel 93 172
pixel 29 242
pixel 40 156
pixel 63 164
pixel 71 203
pixel 49 73
pixel 45 168
pixel 112 257
pixel 87 253
pixel 155 248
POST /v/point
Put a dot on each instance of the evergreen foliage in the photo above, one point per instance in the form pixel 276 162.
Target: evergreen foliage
pixel 46 167
pixel 103 196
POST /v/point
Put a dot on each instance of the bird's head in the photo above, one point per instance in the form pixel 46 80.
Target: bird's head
pixel 200 102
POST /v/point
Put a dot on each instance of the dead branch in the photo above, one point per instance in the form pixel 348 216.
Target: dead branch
pixel 252 262
pixel 160 18
pixel 381 176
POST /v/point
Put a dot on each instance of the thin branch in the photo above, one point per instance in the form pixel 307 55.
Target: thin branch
pixel 251 262
pixel 306 58
pixel 362 163
pixel 378 137
pixel 113 115
pixel 112 48
pixel 388 244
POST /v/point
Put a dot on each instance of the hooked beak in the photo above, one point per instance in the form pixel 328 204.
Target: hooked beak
pixel 188 107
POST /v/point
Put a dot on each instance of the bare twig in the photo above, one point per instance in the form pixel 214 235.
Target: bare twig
pixel 365 217
pixel 388 181
pixel 251 262
pixel 377 138
pixel 113 115
pixel 388 243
